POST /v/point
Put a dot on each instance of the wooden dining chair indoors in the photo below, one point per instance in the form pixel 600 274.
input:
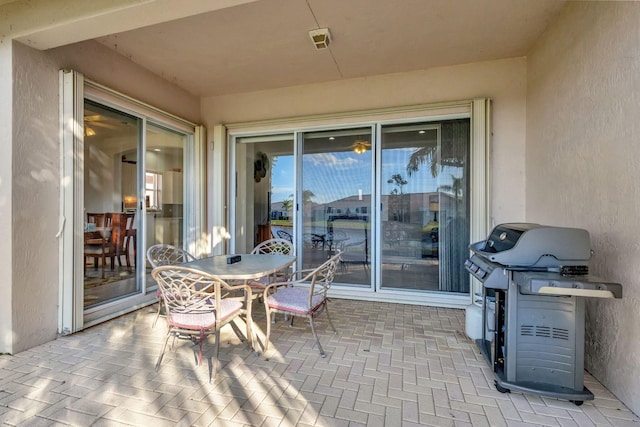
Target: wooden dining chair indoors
pixel 131 238
pixel 161 254
pixel 198 305
pixel 305 297
pixel 97 241
pixel 121 237
pixel 99 219
pixel 98 248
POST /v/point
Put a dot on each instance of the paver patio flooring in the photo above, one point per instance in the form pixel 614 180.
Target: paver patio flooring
pixel 388 365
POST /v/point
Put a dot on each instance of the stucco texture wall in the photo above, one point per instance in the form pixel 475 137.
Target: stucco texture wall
pixel 6 258
pixel 503 81
pixel 32 301
pixel 583 167
pixel 35 199
pixel 110 69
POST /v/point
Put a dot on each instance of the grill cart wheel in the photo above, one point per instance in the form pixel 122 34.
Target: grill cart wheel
pixel 500 388
pixel 577 402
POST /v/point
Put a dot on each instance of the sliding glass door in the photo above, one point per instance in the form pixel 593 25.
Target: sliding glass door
pixel 393 197
pixel 164 196
pixel 121 186
pixel 335 200
pixel 424 221
pixel 264 190
pixel 122 190
pixel 110 183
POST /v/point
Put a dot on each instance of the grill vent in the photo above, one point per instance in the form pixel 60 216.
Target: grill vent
pixel 544 332
pixel 560 334
pixel 527 330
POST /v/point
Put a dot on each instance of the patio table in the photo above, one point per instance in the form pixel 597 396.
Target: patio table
pixel 250 267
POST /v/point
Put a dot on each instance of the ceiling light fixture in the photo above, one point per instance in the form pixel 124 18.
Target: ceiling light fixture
pixel 360 147
pixel 320 38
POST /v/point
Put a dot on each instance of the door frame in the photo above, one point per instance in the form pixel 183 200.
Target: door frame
pixel 477 110
pixel 74 89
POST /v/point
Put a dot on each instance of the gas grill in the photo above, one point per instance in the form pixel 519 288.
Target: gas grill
pixel 535 278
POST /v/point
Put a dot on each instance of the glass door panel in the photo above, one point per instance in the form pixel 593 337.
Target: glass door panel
pixel 335 201
pixel 265 183
pixel 164 187
pixel 109 186
pixel 425 206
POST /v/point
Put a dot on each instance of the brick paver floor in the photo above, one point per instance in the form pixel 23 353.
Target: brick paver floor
pixel 388 365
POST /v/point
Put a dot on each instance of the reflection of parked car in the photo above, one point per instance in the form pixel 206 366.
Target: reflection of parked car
pixel 430 243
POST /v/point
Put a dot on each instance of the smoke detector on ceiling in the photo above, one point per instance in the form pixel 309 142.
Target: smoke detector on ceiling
pixel 320 37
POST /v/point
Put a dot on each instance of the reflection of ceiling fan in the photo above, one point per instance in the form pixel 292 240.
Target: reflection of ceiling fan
pixel 360 146
pixel 105 124
pixel 102 121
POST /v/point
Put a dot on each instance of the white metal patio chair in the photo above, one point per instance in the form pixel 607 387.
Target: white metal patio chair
pixel 162 254
pixel 305 297
pixel 198 305
pixel 275 246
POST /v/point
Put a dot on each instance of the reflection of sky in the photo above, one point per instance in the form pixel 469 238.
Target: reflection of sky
pixel 282 180
pixel 334 176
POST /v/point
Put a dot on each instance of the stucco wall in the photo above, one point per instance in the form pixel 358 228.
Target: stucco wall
pixel 503 81
pixel 108 68
pixel 6 72
pixel 36 164
pixel 583 167
pixel 32 278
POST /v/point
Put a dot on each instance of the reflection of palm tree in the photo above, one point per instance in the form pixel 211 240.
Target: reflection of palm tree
pixel 287 204
pixel 456 187
pixel 399 182
pixel 452 152
pixel 427 154
pixel 307 195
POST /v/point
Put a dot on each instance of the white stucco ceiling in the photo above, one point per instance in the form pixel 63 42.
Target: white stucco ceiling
pixel 264 44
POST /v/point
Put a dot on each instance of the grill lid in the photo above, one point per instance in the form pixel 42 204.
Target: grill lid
pixel 534 245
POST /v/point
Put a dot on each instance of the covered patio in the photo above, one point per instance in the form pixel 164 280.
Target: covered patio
pixel 389 364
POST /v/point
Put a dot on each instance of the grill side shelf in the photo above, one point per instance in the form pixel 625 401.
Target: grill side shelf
pixel 556 284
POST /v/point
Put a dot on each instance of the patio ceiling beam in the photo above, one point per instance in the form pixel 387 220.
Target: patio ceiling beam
pixel 46 24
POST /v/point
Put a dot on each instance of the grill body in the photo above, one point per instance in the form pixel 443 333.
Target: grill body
pixel 534 339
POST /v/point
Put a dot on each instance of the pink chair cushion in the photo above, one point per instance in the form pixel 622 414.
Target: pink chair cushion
pixel 265 281
pixel 206 320
pixel 294 300
pixel 260 283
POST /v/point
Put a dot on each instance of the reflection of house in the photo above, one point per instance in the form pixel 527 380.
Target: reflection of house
pixel 416 208
pixel 278 212
pixel 349 207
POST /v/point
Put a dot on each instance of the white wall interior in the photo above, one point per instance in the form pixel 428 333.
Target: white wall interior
pixel 582 167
